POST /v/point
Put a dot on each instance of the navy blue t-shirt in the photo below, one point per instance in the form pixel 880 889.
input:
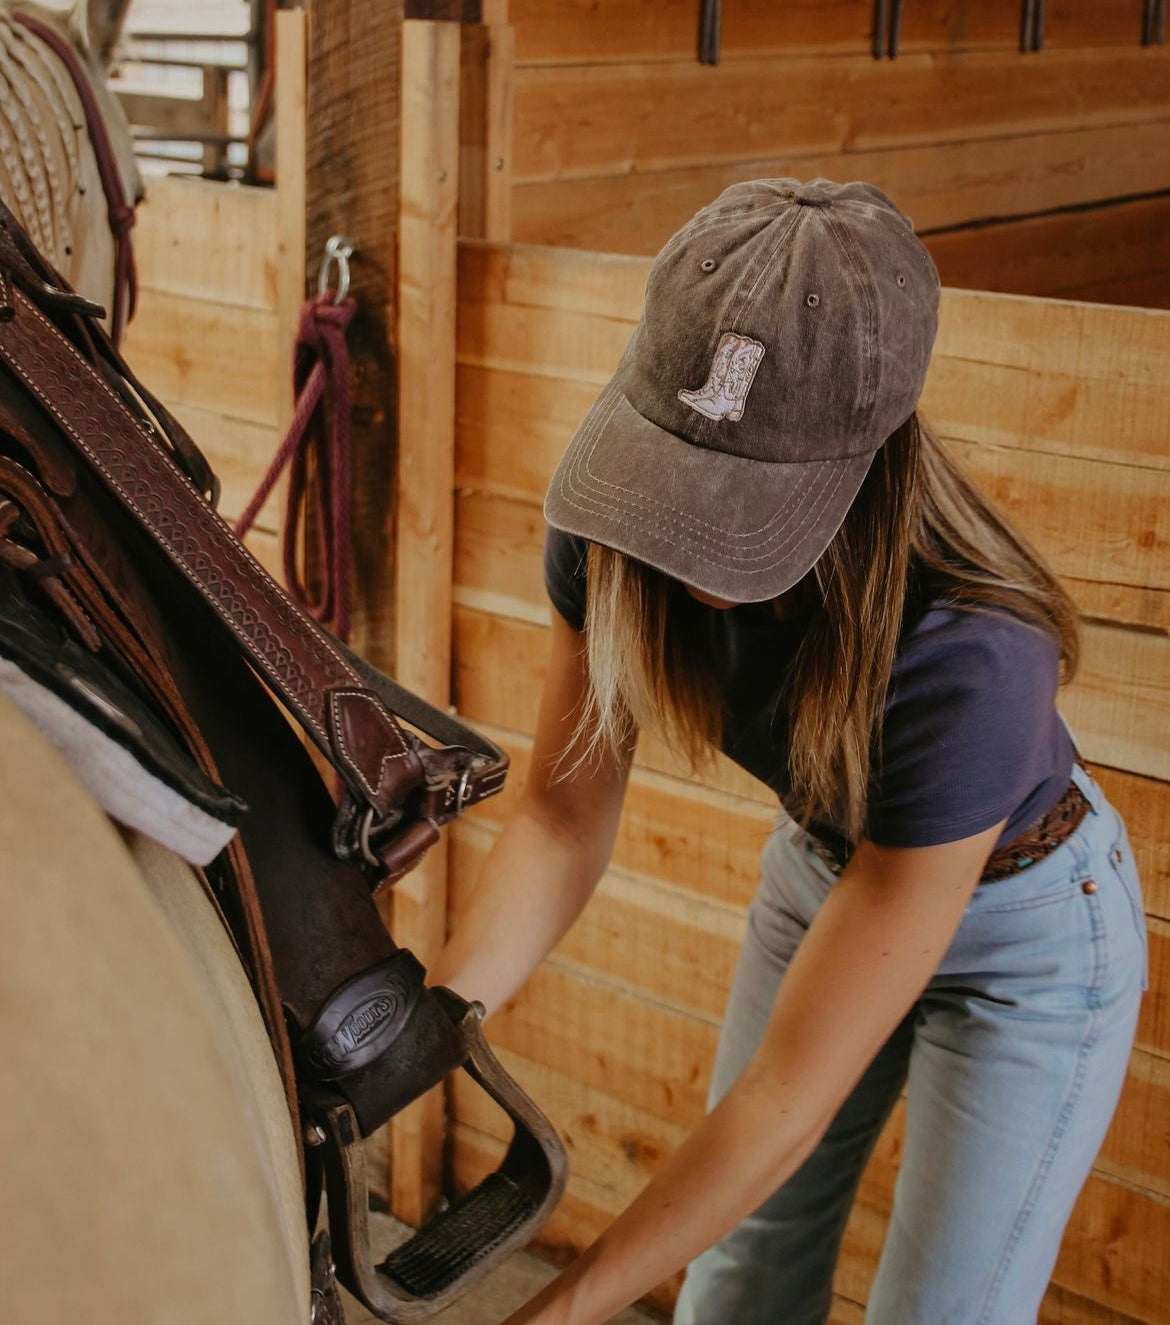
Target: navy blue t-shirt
pixel 970 736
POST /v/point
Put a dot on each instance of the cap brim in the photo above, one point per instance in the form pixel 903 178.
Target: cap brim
pixel 740 529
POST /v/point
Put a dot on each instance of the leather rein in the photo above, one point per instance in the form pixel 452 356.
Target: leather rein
pixel 119 210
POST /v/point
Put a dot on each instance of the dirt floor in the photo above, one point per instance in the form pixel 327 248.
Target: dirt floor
pixel 513 1283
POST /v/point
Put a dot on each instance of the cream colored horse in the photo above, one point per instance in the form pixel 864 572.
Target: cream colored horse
pixel 48 170
pixel 149 1170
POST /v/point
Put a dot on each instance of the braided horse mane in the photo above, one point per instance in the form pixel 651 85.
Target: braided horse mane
pixel 48 170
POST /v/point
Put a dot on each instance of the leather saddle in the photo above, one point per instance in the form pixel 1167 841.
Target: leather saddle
pixel 177 677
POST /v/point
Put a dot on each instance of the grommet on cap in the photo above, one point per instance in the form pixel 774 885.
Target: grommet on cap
pixel 812 300
pixel 708 264
pixel 901 278
pixel 1088 886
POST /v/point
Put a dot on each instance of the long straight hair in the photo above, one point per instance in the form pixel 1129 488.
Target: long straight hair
pixel 917 532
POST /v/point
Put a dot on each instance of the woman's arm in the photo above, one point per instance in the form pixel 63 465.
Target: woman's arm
pixel 873 947
pixel 547 861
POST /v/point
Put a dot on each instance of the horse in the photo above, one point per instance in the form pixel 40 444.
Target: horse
pixel 67 164
pixel 157 1174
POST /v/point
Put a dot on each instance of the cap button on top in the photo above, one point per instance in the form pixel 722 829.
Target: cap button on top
pixel 812 195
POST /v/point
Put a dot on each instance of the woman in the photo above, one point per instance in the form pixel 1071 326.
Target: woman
pixel 755 544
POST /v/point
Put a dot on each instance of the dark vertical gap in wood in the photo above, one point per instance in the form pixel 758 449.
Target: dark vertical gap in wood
pixel 352 189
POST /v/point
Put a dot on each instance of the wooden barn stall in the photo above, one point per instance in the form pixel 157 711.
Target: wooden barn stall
pixel 1059 409
pixel 1017 168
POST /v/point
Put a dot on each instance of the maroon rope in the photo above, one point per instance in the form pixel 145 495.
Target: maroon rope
pixel 319 430
pixel 119 210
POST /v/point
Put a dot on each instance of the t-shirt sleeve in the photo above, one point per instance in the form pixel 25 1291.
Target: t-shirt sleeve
pixel 969 726
pixel 564 574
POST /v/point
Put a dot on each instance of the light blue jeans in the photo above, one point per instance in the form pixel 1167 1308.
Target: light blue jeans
pixel 1013 1059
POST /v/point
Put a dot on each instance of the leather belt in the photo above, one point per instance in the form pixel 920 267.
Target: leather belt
pixel 1038 840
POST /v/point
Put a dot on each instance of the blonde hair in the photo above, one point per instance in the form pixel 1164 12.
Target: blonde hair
pixel 917 531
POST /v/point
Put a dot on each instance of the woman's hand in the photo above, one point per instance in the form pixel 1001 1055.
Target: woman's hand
pixel 547 861
pixel 873 947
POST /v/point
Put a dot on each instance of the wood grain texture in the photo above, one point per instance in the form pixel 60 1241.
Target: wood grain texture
pixel 1046 403
pixel 600 31
pixel 607 119
pixel 352 147
pixel 209 241
pixel 424 519
pixel 1060 255
pixel 485 132
pixel 938 185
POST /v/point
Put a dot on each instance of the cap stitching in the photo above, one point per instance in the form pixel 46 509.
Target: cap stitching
pixel 846 243
pixel 641 509
pixel 722 558
pixel 587 443
pixel 727 561
pixel 579 467
pixel 744 299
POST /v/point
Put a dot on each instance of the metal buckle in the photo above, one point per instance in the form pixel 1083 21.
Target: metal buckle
pixel 363 837
pixel 461 791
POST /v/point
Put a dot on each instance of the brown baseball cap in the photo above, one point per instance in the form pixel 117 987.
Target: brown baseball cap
pixel 786 334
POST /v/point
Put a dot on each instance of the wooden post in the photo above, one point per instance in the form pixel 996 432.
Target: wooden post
pixel 485 128
pixel 425 502
pixel 291 36
pixel 352 189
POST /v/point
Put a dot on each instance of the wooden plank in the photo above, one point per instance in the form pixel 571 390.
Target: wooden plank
pixel 662 942
pixel 352 122
pixel 485 132
pixel 208 240
pixel 606 119
pixel 1119 703
pixel 587 1209
pixel 595 31
pixel 291 166
pixel 1120 536
pixel 1115 253
pixel 936 184
pixel 1153 1032
pixel 194 352
pixel 609 285
pixel 423 526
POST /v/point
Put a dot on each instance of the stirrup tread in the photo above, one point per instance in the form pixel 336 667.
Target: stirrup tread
pixel 453 1242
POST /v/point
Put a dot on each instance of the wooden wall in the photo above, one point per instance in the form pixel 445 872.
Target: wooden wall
pixel 1046 173
pixel 1061 411
pixel 205 339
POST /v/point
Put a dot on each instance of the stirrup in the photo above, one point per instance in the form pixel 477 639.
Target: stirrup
pixel 469 1239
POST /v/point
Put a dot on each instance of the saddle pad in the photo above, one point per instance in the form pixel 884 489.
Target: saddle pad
pixel 117 747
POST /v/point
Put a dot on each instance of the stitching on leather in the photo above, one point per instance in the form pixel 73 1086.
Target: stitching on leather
pixel 246 564
pixel 339 729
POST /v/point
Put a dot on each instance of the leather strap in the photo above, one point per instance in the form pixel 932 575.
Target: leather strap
pixel 394 781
